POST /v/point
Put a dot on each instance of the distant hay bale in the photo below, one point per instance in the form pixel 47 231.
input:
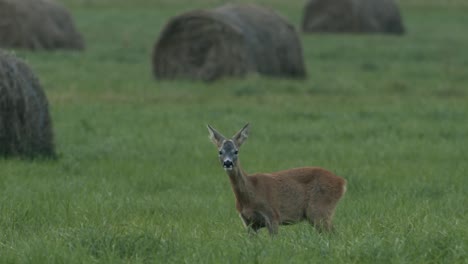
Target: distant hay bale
pixel 231 40
pixel 25 125
pixel 37 24
pixel 352 16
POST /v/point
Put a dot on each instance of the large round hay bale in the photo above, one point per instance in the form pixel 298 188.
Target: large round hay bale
pixel 25 125
pixel 37 24
pixel 231 40
pixel 352 16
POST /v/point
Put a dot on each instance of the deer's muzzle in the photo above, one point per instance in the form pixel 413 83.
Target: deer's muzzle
pixel 228 164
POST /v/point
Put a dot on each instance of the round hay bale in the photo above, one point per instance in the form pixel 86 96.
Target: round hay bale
pixel 25 125
pixel 231 40
pixel 352 16
pixel 37 24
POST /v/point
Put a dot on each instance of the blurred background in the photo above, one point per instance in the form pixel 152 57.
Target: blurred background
pixel 136 179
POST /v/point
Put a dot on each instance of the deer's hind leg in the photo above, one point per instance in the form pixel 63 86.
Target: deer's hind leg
pixel 319 213
pixel 322 201
pixel 320 218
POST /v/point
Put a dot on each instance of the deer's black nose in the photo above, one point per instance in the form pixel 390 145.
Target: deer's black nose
pixel 227 163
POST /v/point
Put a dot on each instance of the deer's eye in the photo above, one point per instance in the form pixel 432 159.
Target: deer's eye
pixel 236 152
pixel 220 152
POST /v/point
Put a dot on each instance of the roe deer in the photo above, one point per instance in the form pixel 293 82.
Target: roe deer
pixel 278 198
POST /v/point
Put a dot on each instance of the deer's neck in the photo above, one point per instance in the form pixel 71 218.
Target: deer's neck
pixel 240 185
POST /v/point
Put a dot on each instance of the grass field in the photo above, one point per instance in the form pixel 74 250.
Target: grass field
pixel 138 181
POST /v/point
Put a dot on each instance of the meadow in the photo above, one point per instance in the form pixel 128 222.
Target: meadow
pixel 138 181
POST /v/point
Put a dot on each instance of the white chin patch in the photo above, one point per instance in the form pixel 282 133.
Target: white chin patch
pixel 228 168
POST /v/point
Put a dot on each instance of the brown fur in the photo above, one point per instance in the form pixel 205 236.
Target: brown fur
pixel 283 197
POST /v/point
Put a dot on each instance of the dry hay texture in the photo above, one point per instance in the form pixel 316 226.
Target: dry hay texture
pixel 25 125
pixel 231 40
pixel 37 24
pixel 353 16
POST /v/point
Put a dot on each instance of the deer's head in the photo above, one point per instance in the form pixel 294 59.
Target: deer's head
pixel 228 149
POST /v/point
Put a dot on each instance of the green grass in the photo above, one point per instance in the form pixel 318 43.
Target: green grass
pixel 137 179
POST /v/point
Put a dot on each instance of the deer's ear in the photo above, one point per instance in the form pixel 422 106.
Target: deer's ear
pixel 215 136
pixel 242 135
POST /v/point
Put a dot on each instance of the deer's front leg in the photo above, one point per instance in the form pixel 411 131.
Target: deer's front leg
pixel 271 222
pixel 248 225
pixel 273 228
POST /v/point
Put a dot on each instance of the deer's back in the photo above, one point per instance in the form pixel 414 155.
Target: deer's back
pixel 316 180
pixel 307 175
pixel 291 191
pixel 306 179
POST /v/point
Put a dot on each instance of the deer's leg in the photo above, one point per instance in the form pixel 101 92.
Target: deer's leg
pixel 271 222
pixel 248 225
pixel 273 228
pixel 320 217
